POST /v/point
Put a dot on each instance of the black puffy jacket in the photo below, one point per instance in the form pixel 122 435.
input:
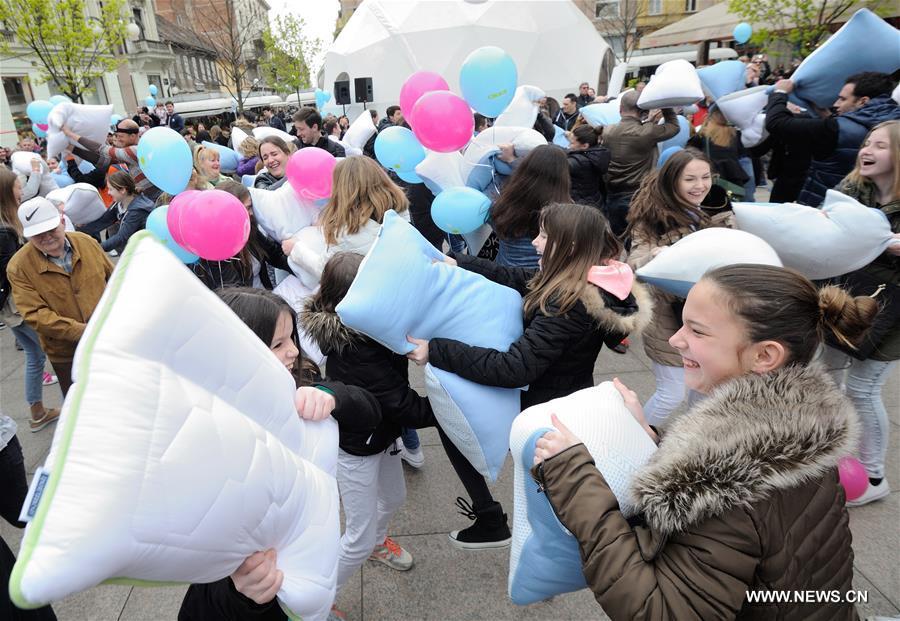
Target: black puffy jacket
pixel 217 274
pixel 354 358
pixel 587 170
pixel 556 354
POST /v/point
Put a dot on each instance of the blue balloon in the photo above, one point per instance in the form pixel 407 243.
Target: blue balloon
pixel 150 102
pixel 680 139
pixel 37 131
pixel 38 110
pixel 58 99
pixel 398 149
pixel 322 98
pixel 410 177
pixel 460 210
pixel 156 224
pixel 742 32
pixel 153 90
pixel 228 158
pixel 488 80
pixel 114 119
pixel 666 154
pixel 166 159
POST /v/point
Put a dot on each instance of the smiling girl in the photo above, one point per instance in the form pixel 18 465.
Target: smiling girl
pixel 274 154
pixel 742 495
pixel 671 203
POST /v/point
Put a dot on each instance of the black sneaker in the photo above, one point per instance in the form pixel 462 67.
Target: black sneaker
pixel 489 530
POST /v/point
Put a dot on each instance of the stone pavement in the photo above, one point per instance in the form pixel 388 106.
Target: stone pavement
pixel 447 584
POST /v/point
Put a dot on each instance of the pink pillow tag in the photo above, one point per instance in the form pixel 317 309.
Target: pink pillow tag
pixel 615 277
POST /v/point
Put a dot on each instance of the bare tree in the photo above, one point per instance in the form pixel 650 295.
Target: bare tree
pixel 238 46
pixel 619 18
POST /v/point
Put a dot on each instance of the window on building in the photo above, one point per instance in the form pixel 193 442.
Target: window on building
pixel 195 70
pixel 654 7
pixel 157 81
pixel 15 92
pixel 138 16
pixel 690 6
pixel 605 9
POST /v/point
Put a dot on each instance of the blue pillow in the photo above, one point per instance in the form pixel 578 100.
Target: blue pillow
pixel 602 114
pixel 404 288
pixel 865 43
pixel 228 158
pixel 723 78
pixel 544 558
pixel 62 179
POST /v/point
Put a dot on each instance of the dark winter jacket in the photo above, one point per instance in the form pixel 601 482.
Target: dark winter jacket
pixel 216 274
pixel 742 495
pixel 587 170
pixel 96 177
pixel 9 245
pixel 324 143
pixel 133 220
pixel 355 359
pixel 566 122
pixel 267 181
pixel 556 354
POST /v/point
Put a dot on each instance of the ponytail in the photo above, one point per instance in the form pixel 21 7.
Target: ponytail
pixel 585 134
pixel 779 304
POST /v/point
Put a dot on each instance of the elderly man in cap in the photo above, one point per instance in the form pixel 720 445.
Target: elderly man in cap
pixel 126 136
pixel 57 279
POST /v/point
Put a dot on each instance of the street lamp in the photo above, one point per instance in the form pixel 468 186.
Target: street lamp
pixel 133 31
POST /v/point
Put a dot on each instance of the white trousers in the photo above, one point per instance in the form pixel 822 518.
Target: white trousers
pixel 372 488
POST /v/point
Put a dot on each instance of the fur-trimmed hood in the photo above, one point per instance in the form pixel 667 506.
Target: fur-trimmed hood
pixel 753 435
pixel 620 316
pixel 327 330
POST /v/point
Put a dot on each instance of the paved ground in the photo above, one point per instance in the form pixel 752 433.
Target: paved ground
pixel 448 584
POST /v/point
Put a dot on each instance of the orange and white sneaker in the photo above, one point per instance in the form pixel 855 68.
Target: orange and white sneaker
pixel 391 554
pixel 336 615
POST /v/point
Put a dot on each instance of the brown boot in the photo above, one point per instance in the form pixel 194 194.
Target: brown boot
pixel 41 417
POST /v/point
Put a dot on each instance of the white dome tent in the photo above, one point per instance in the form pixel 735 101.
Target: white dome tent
pixel 553 43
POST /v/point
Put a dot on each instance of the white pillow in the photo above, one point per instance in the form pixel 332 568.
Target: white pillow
pixel 238 136
pixel 90 122
pixel 179 452
pixel 675 83
pixel 280 212
pixel 522 111
pixel 544 559
pixel 741 108
pixel 841 237
pixel 21 162
pixel 82 202
pixel 478 161
pixel 756 132
pixel 265 131
pixel 309 256
pixel 361 129
pixel 441 170
pixel 678 267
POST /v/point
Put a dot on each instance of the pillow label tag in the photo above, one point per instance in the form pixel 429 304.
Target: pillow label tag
pixel 35 491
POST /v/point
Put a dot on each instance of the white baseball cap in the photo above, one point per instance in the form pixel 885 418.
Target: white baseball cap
pixel 38 215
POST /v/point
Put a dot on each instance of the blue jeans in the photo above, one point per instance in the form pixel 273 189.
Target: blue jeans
pixel 517 253
pixel 34 362
pixel 410 438
pixel 862 381
pixel 457 244
pixel 616 211
pixel 749 187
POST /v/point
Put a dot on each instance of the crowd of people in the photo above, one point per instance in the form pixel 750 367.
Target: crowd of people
pixel 743 492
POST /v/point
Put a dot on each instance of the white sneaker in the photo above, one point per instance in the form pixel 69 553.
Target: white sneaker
pixel 872 493
pixel 415 458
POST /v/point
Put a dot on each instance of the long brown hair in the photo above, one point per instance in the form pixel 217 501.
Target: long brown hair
pixel 362 191
pixel 893 128
pixel 9 207
pixel 337 276
pixel 716 128
pixel 657 208
pixel 542 178
pixel 121 180
pixel 578 238
pixel 780 304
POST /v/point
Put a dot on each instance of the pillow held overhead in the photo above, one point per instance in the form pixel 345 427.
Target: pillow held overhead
pixel 544 559
pixel 361 129
pixel 180 450
pixel 675 83
pixel 522 111
pixel 403 287
pixel 841 237
pixel 82 201
pixel 722 78
pixel 91 122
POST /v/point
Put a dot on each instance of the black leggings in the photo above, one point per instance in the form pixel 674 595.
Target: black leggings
pixel 475 485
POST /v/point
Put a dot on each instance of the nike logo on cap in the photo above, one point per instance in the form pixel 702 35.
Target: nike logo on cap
pixel 29 216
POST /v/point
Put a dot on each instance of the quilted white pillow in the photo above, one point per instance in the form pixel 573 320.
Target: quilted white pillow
pixel 522 111
pixel 179 452
pixel 675 83
pixel 441 170
pixel 88 121
pixel 265 131
pixel 841 237
pixel 82 202
pixel 544 559
pixel 678 267
pixel 280 212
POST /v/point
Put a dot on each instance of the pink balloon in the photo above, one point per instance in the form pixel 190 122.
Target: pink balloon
pixel 853 477
pixel 444 121
pixel 215 225
pixel 416 85
pixel 309 171
pixel 176 205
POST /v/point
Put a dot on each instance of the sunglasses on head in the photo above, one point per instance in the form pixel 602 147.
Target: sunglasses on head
pixel 127 130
